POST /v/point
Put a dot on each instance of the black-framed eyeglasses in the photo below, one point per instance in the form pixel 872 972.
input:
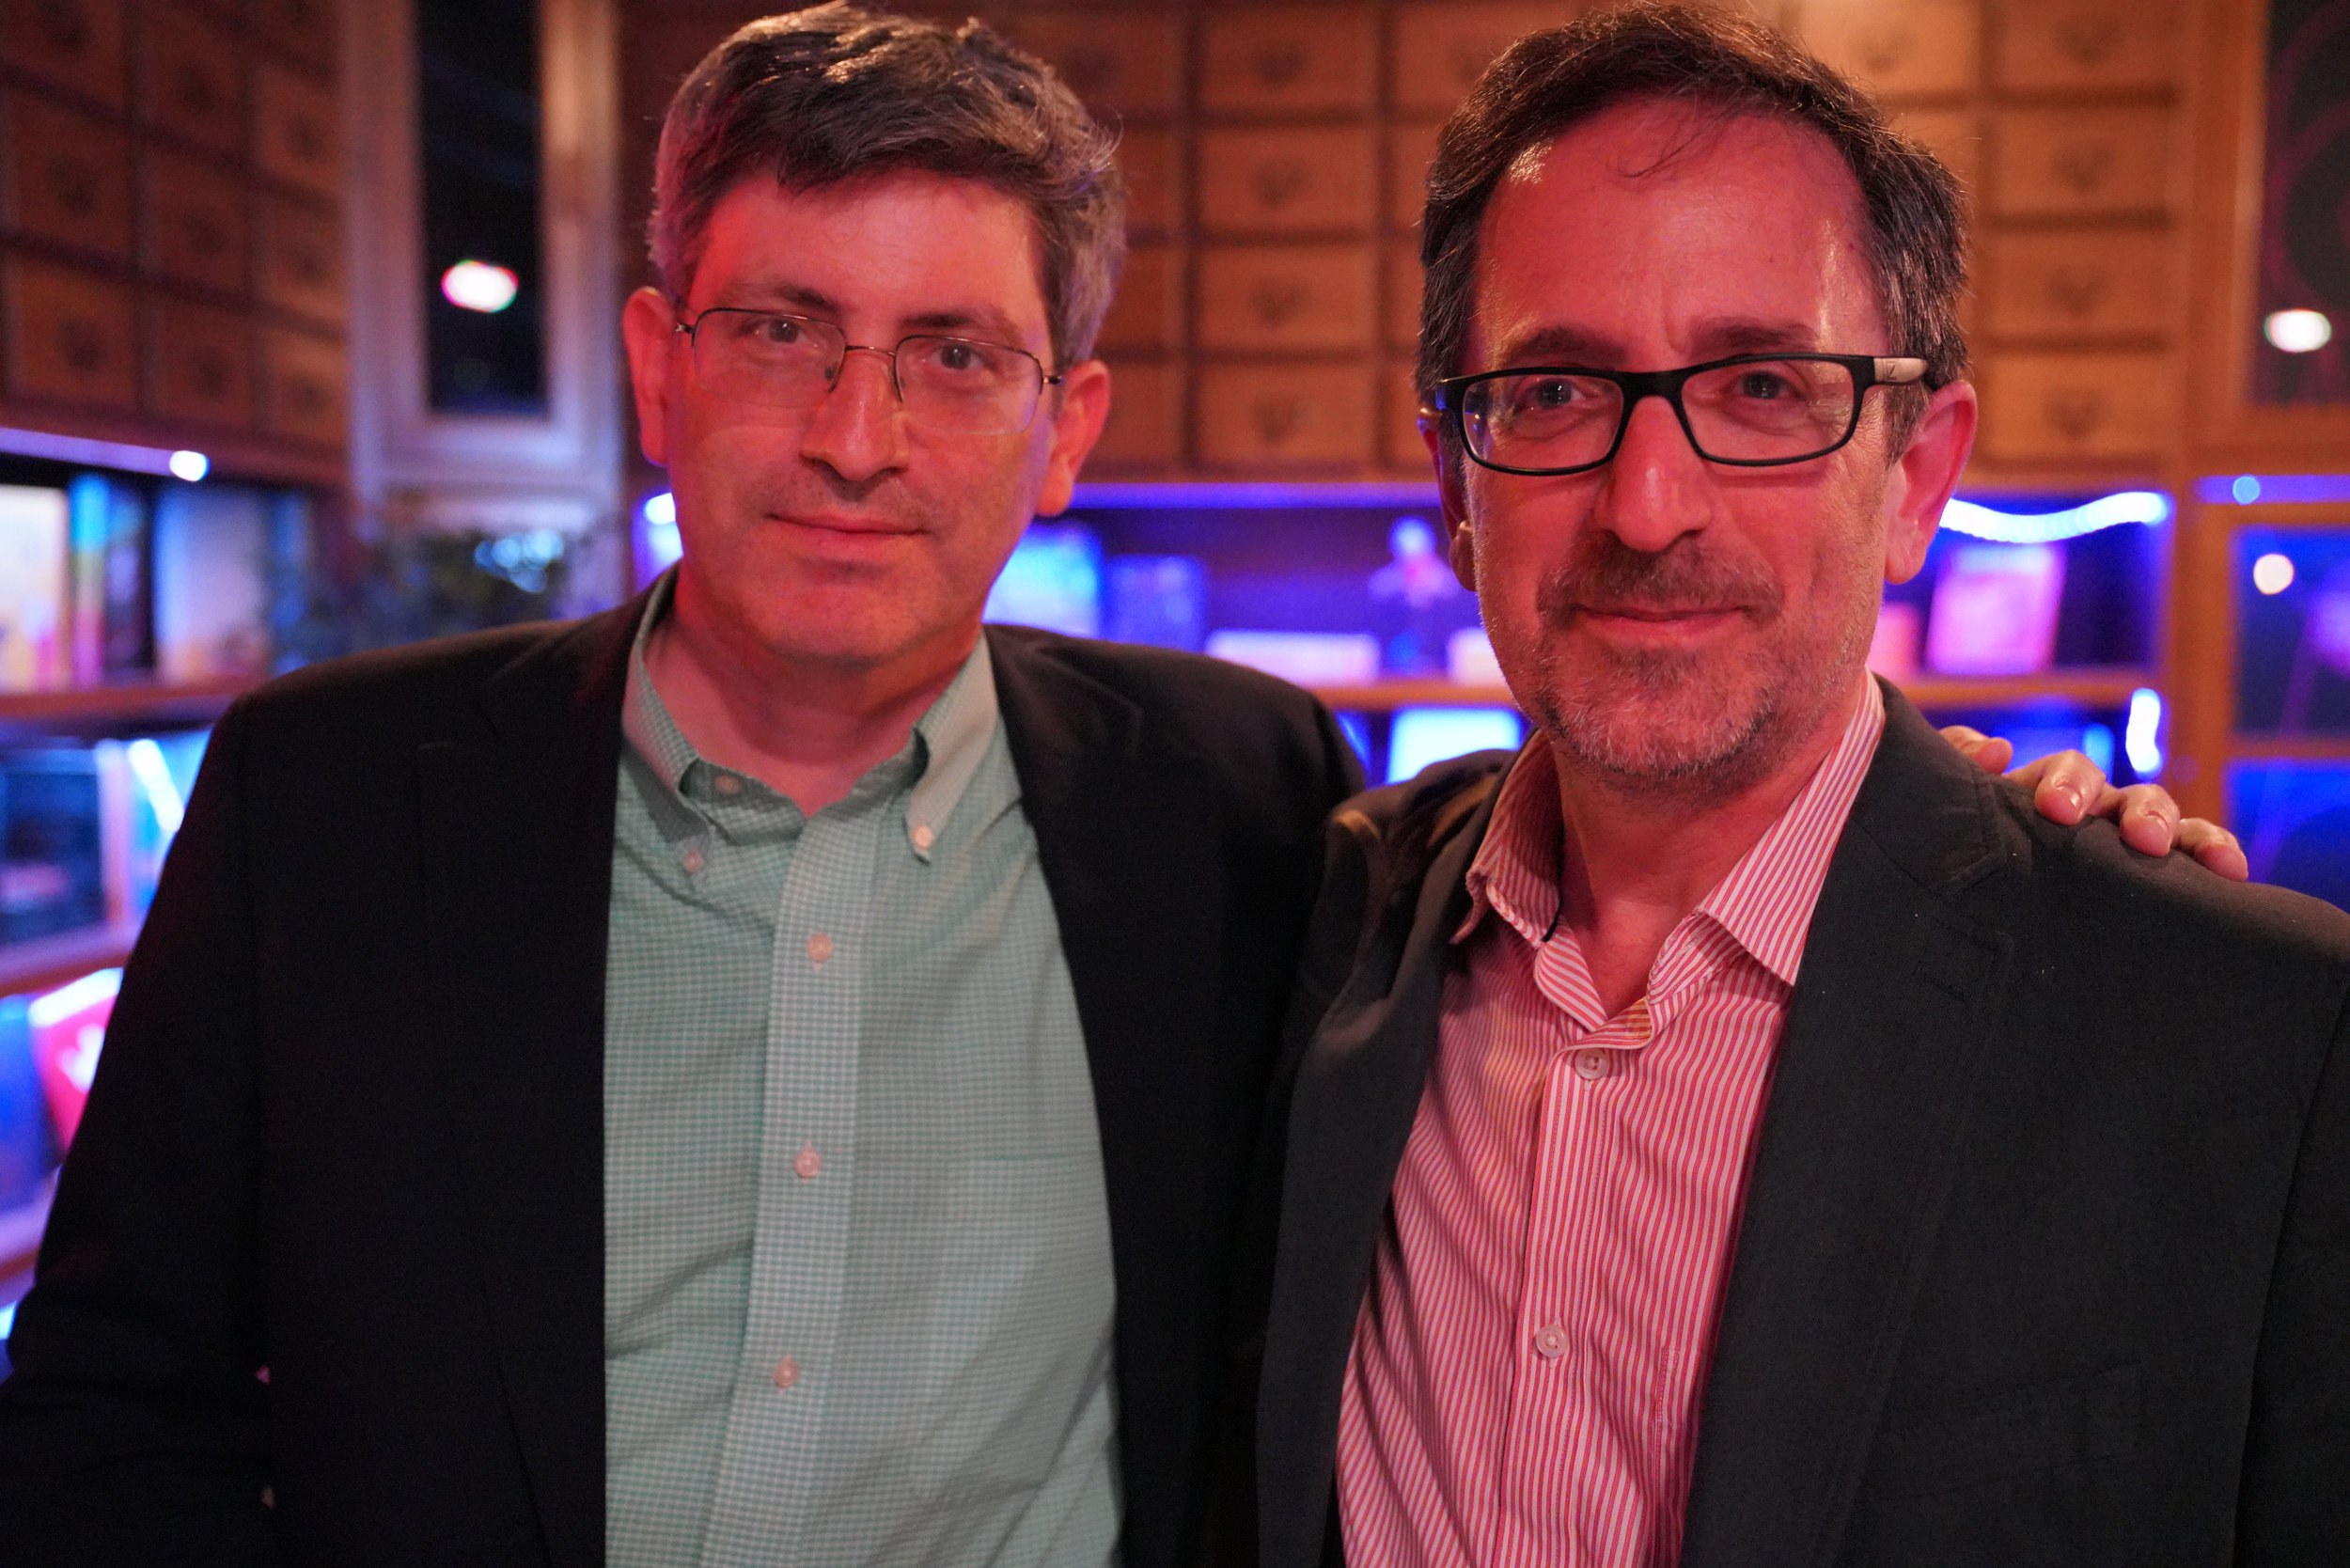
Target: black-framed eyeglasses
pixel 1751 409
pixel 955 385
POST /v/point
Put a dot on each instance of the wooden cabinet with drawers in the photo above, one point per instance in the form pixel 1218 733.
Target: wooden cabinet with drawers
pixel 2055 409
pixel 2069 284
pixel 76 45
pixel 1146 424
pixel 1296 181
pixel 1919 48
pixel 192 78
pixel 1285 60
pixel 73 336
pixel 1411 149
pixel 199 222
pixel 1126 63
pixel 68 176
pixel 305 386
pixel 1286 298
pixel 2089 45
pixel 1148 313
pixel 204 364
pixel 1441 48
pixel 301 265
pixel 299 141
pixel 1153 165
pixel 2080 163
pixel 1277 414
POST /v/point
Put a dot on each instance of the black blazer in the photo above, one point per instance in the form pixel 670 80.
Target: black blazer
pixel 2045 1255
pixel 349 1122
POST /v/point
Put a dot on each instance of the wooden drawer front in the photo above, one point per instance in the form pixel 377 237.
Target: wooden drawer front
pixel 1283 61
pixel 1310 297
pixel 1146 423
pixel 1411 149
pixel 2054 408
pixel 1405 450
pixel 301 139
pixel 192 79
pixel 1153 181
pixel 1253 414
pixel 2051 162
pixel 1286 181
pixel 72 336
pixel 1953 136
pixel 2090 43
pixel 302 260
pixel 68 176
pixel 2077 285
pixel 304 28
pixel 305 385
pixel 1121 63
pixel 205 369
pixel 1441 49
pixel 1404 285
pixel 1148 313
pixel 76 42
pixel 198 224
pixel 1917 47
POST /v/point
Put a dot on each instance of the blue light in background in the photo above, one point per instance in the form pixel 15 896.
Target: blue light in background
pixel 1423 736
pixel 2288 489
pixel 661 544
pixel 2148 507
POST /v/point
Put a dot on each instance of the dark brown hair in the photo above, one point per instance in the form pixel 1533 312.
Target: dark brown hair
pixel 836 93
pixel 1550 81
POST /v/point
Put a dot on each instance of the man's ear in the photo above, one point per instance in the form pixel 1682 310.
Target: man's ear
pixel 1083 409
pixel 1923 477
pixel 647 326
pixel 1451 499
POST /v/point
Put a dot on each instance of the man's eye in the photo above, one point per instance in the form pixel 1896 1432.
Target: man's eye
pixel 958 357
pixel 778 329
pixel 1764 386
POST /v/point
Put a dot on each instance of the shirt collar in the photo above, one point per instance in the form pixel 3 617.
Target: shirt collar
pixel 1765 905
pixel 951 739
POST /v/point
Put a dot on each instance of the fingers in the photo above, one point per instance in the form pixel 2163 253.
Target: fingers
pixel 2148 818
pixel 1990 753
pixel 2066 787
pixel 2215 847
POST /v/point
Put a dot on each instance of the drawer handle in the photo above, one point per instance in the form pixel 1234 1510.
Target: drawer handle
pixel 2084 165
pixel 208 372
pixel 196 91
pixel 1279 418
pixel 74 185
pixel 1282 182
pixel 82 345
pixel 305 139
pixel 1279 63
pixel 1278 302
pixel 207 236
pixel 2074 412
pixel 2090 40
pixel 2078 290
pixel 1883 48
pixel 65 27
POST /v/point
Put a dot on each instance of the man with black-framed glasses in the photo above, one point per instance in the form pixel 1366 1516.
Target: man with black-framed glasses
pixel 1731 1130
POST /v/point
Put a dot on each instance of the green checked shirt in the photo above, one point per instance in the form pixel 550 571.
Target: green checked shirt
pixel 857 1291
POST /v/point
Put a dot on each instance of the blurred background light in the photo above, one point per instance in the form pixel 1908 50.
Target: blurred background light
pixel 2273 573
pixel 482 286
pixel 2299 331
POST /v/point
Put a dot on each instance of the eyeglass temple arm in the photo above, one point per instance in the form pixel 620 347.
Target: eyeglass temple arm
pixel 1898 372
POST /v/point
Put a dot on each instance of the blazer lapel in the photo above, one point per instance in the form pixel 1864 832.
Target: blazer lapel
pixel 1892 1014
pixel 1357 1092
pixel 517 861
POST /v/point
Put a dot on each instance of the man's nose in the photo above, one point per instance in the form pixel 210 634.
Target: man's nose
pixel 1655 490
pixel 859 429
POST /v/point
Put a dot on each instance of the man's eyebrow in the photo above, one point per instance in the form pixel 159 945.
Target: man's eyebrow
pixel 1712 340
pixel 977 321
pixel 984 321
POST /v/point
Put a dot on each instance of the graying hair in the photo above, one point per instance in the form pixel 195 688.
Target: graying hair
pixel 836 93
pixel 1550 81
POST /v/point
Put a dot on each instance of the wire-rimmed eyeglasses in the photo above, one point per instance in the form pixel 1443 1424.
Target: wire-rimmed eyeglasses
pixel 1751 409
pixel 956 385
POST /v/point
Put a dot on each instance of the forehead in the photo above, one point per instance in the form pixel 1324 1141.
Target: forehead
pixel 904 245
pixel 1661 229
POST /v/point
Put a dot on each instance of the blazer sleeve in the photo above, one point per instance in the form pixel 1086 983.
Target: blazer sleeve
pixel 134 1430
pixel 2294 1504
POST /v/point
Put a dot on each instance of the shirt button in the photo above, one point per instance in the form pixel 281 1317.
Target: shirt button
pixel 694 862
pixel 1551 1341
pixel 818 948
pixel 1591 1064
pixel 727 784
pixel 807 1163
pixel 923 836
pixel 787 1372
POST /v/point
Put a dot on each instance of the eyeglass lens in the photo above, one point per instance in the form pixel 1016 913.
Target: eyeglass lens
pixel 952 384
pixel 1773 411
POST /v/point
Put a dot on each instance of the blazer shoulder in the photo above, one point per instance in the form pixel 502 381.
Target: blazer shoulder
pixel 426 691
pixel 2154 904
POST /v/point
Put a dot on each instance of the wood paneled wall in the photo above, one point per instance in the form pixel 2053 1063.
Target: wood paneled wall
pixel 171 266
pixel 1276 155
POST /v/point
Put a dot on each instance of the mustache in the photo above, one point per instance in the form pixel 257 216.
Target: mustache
pixel 1606 573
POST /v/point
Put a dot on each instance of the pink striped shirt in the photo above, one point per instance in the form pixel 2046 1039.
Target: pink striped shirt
pixel 1526 1370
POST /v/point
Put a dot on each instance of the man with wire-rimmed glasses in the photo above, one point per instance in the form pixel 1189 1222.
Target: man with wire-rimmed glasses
pixel 1731 1130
